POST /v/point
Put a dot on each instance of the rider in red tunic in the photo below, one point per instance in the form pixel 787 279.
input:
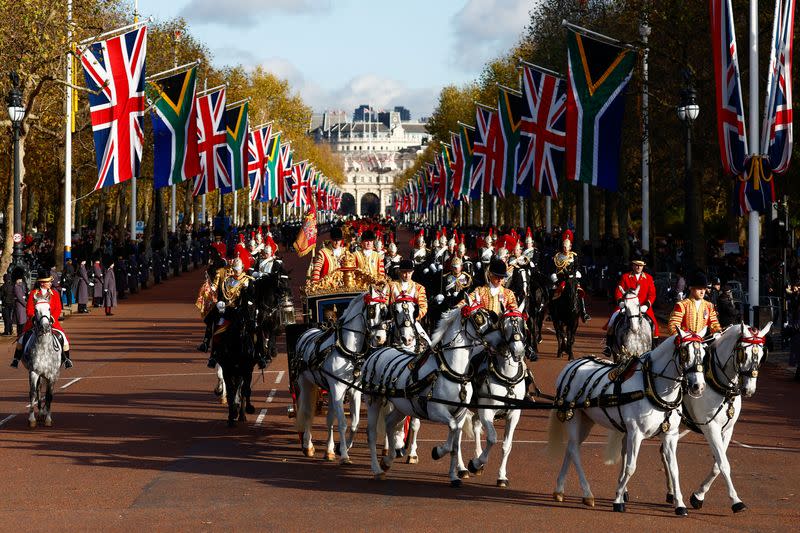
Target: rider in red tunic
pixel 637 277
pixel 219 246
pixel 45 292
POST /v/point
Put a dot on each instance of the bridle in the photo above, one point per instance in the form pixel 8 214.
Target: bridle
pixel 740 358
pixel 518 323
pixel 629 295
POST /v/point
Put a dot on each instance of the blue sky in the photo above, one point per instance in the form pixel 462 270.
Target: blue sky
pixel 340 53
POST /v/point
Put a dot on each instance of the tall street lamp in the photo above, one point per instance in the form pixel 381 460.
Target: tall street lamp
pixel 16 112
pixel 688 110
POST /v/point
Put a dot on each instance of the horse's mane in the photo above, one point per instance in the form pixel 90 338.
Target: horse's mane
pixel 447 319
pixel 355 307
pixel 724 344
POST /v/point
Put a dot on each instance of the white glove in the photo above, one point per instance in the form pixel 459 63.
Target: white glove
pixel 553 278
pixel 717 335
pixel 621 304
pixel 578 274
pixel 91 284
pixel 426 270
pixel 439 298
pixel 477 264
pixel 221 306
pixel 643 308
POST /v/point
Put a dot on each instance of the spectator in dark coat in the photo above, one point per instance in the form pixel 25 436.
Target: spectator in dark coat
pixel 83 288
pixel 97 291
pixel 20 300
pixel 727 313
pixel 7 292
pixel 68 282
pixel 109 289
pixel 792 326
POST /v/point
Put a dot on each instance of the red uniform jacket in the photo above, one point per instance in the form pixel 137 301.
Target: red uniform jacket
pixel 647 293
pixel 55 309
pixel 221 248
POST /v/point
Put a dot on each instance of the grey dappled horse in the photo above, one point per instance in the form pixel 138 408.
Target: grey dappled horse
pixel 42 359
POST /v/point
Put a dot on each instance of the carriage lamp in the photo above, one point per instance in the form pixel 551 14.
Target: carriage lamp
pixel 16 112
pixel 287 311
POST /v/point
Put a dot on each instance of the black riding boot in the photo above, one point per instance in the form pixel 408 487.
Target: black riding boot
pixel 584 315
pixel 17 357
pixel 608 351
pixel 65 359
pixel 203 346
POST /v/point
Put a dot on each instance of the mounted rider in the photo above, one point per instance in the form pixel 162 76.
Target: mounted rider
pixel 494 296
pixel 268 263
pixel 694 313
pixel 367 259
pixel 420 253
pixel 243 254
pixel 530 247
pixel 566 263
pixel 329 257
pixel 44 293
pixel 218 245
pixel 456 283
pixel 409 289
pixel 391 260
pixel 636 278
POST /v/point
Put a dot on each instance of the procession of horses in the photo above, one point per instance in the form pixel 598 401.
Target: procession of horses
pixel 361 338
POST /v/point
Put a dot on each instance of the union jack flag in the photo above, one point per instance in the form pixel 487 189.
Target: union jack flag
pixel 257 158
pixel 284 172
pixel 489 152
pixel 730 114
pixel 301 174
pixel 114 72
pixel 543 130
pixel 776 138
pixel 215 160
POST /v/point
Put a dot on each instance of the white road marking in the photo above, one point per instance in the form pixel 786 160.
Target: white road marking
pixel 6 419
pixel 261 416
pixel 70 383
pixel 279 377
pixel 271 395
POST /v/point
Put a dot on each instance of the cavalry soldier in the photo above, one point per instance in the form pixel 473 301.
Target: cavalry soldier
pixel 242 253
pixel 530 246
pixel 637 277
pixel 269 263
pixel 408 288
pixel 219 246
pixel 440 253
pixel 420 253
pixel 495 297
pixel 44 293
pixel 367 259
pixel 461 252
pixel 259 243
pixel 485 254
pixel 327 261
pixel 391 261
pixel 566 264
pixel 694 313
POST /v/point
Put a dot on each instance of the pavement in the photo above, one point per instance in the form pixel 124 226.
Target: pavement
pixel 140 443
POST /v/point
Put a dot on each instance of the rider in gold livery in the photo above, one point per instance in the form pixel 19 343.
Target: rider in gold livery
pixel 566 263
pixel 367 259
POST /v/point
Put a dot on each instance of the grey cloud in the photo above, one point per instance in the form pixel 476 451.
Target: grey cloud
pixel 246 13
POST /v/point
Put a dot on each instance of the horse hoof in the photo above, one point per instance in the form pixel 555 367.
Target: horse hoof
pixel 412 459
pixel 558 496
pixel 345 462
pixel 738 507
pixel 589 502
pixel 502 483
pixel 399 452
pixel 681 511
pixel 463 474
pixel 32 423
pixel 385 466
pixel 223 400
pixel 249 409
pixel 456 483
pixel 231 423
pixel 380 477
pixel 309 452
pixel 619 507
pixel 625 497
pixel 471 466
pixel 670 498
pixel 330 457
pixel 696 502
pixel 48 423
pixel 435 453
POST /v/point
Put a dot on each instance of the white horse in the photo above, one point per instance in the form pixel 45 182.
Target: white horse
pixel 589 391
pixel 43 360
pixel 732 371
pixel 332 359
pixel 501 375
pixel 417 387
pixel 634 333
pixel 408 335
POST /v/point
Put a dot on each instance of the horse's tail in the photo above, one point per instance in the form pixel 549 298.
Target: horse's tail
pixel 556 436
pixel 306 405
pixel 613 451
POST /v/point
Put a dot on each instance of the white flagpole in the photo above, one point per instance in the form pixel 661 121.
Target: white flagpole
pixel 754 222
pixel 68 146
pixel 644 32
pixel 235 207
pixel 548 217
pixel 132 221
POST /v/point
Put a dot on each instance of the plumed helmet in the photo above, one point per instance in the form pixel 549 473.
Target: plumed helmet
pixel 498 268
pixel 392 247
pixel 528 236
pixel 237 265
pixel 462 248
pixel 567 236
pixel 456 261
pixel 698 280
pixel 406 265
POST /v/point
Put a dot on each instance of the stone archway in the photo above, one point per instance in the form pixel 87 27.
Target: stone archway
pixel 370 205
pixel 348 205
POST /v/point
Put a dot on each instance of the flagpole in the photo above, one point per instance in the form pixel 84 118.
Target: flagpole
pixel 132 221
pixel 235 207
pixel 494 210
pixel 173 195
pixel 205 219
pixel 481 217
pixel 755 218
pixel 548 213
pixel 68 147
pixel 644 32
pixel 521 212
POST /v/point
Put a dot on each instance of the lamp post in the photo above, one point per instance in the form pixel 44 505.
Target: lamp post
pixel 16 112
pixel 688 110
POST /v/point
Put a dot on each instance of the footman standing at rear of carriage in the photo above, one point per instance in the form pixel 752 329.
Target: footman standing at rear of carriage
pixel 44 293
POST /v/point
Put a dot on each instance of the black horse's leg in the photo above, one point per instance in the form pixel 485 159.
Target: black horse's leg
pixel 247 391
pixel 231 391
pixel 241 383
